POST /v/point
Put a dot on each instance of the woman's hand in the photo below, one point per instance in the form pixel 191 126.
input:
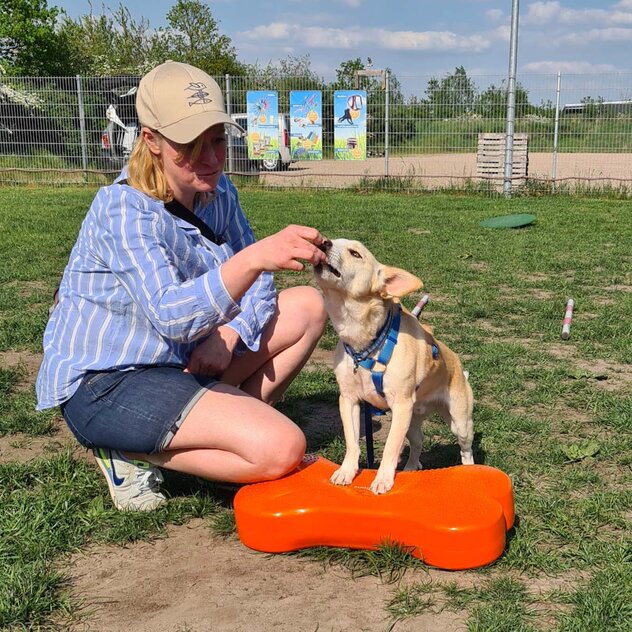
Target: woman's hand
pixel 212 357
pixel 285 250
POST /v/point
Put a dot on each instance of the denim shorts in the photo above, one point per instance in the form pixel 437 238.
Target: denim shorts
pixel 135 411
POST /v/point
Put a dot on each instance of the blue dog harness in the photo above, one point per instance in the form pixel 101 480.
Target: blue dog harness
pixel 383 345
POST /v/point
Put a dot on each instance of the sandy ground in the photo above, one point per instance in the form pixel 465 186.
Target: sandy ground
pixel 194 581
pixel 445 170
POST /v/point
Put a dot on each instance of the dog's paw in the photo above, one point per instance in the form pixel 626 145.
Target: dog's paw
pixel 343 476
pixel 382 483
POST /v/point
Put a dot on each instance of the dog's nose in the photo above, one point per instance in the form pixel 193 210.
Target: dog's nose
pixel 325 246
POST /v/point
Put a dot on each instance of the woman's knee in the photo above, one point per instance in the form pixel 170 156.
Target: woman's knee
pixel 282 456
pixel 306 304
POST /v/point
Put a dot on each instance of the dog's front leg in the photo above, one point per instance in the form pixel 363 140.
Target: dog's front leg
pixel 350 415
pixel 385 477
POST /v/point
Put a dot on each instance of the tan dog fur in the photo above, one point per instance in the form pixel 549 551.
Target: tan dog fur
pixel 359 291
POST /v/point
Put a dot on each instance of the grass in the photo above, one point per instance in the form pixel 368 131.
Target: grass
pixel 556 416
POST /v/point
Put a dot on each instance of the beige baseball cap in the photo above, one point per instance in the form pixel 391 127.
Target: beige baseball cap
pixel 180 101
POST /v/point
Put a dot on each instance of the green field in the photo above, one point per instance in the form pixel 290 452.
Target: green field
pixel 555 415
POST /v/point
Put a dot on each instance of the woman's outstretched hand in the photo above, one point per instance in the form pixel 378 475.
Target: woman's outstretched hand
pixel 288 249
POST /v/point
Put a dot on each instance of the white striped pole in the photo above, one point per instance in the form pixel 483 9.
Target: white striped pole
pixel 422 303
pixel 568 317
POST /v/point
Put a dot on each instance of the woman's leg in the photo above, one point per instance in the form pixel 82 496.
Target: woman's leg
pixel 286 345
pixel 233 434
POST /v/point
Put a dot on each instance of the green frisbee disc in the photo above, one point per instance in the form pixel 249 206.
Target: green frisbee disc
pixel 508 221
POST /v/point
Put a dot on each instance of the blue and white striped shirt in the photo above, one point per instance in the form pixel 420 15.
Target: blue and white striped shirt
pixel 143 287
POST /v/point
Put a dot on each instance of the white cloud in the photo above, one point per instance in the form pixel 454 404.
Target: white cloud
pixel 430 40
pixel 548 13
pixel 501 33
pixel 494 15
pixel 622 17
pixel 569 67
pixel 541 12
pixel 596 35
pixel 349 38
pixel 274 31
pixel 354 4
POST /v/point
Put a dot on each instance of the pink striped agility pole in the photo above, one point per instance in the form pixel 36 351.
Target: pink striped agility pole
pixel 568 317
pixel 422 303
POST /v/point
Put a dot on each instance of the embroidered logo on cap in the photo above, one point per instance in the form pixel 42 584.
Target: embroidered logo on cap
pixel 199 97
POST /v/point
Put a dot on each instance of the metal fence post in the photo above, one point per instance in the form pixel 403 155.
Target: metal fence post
pixel 511 99
pixel 82 128
pixel 229 111
pixel 386 116
pixel 556 129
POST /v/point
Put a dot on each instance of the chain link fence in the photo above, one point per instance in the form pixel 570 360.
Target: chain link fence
pixel 422 132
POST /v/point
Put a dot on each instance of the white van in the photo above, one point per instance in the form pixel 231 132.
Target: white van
pixel 284 158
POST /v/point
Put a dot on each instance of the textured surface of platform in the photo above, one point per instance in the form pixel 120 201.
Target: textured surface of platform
pixel 453 518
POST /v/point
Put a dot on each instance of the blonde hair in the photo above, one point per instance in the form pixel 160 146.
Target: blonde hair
pixel 145 171
pixel 146 174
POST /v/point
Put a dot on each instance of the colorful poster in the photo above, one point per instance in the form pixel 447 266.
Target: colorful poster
pixel 306 124
pixel 350 124
pixel 263 124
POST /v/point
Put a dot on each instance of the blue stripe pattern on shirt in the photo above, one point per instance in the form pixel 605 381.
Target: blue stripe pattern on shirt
pixel 143 287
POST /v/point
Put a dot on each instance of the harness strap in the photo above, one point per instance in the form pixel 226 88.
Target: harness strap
pixel 388 337
pixel 362 356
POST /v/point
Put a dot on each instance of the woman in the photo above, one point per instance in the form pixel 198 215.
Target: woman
pixel 167 349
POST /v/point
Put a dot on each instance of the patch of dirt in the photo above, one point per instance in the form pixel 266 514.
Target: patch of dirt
pixel 609 376
pixel 320 359
pixel 22 448
pixel 220 585
pixel 27 288
pixel 29 361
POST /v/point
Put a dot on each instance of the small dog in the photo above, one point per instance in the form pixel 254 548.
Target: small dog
pixel 421 375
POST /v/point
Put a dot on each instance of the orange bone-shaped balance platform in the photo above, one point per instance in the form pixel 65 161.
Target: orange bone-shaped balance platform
pixel 453 518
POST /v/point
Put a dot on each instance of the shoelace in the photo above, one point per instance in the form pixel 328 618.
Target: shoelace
pixel 149 480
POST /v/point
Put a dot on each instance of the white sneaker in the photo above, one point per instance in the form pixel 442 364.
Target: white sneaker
pixel 134 485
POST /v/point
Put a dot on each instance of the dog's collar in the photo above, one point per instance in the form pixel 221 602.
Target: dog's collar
pixel 384 343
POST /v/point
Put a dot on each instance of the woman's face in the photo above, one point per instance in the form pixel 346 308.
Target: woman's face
pixel 188 174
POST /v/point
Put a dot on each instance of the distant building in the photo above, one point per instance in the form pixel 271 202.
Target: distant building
pixel 611 108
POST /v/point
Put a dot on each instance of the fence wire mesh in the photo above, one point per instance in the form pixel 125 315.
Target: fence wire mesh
pixel 422 132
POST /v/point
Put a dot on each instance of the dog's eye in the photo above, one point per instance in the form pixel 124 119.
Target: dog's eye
pixel 355 253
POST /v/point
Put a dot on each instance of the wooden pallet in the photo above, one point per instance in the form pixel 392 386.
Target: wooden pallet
pixel 490 158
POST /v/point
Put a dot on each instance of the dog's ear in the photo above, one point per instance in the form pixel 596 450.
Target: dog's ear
pixel 397 282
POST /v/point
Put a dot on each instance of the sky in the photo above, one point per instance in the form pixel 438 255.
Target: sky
pixel 589 41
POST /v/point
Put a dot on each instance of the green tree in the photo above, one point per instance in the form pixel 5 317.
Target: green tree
pixel 193 37
pixel 30 43
pixel 493 102
pixel 113 44
pixel 345 74
pixel 454 95
pixel 374 85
